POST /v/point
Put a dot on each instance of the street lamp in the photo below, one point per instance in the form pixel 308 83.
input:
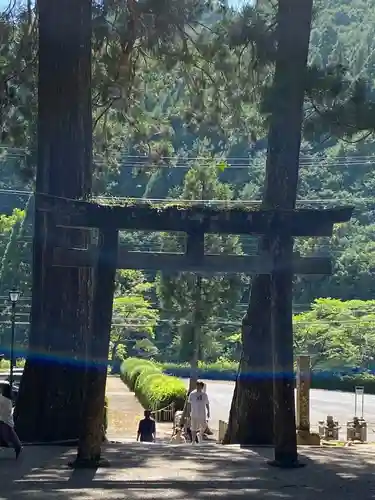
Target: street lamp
pixel 14 295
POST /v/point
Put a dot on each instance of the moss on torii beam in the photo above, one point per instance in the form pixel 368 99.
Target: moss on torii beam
pixel 223 219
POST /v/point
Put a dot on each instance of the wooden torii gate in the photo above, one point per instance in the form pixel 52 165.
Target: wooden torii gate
pixel 106 257
pixel 195 221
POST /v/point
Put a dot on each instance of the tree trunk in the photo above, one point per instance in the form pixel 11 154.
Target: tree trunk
pixel 282 346
pixel 51 393
pixel 251 413
pixel 91 437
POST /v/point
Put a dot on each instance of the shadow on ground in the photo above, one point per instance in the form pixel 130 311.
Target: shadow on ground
pixel 189 472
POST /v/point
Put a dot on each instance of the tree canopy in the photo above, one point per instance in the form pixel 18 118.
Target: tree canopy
pixel 166 88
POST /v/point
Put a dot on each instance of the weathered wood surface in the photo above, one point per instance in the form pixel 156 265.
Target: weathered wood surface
pixel 298 222
pixel 207 264
pixel 195 246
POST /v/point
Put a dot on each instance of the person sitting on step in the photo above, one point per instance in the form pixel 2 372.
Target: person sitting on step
pixel 178 437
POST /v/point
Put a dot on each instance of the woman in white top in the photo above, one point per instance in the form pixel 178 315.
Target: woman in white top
pixel 7 433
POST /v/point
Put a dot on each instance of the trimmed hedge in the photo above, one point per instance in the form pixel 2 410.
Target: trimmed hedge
pixel 323 379
pixel 5 364
pixel 154 389
pixel 214 371
pixel 345 382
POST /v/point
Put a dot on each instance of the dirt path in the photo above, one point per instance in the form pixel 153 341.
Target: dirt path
pixel 125 411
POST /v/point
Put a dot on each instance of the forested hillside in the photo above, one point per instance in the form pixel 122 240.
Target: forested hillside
pixel 180 123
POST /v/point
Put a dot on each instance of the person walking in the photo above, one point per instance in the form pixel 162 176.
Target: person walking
pixel 7 433
pixel 146 429
pixel 199 410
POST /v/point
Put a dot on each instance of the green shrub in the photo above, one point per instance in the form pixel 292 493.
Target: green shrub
pixel 153 388
pixel 221 370
pixel 159 391
pixel 321 379
pixel 128 366
pixel 5 364
pixel 144 374
pixel 345 382
pixel 136 372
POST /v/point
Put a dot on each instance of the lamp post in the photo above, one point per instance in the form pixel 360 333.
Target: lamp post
pixel 13 296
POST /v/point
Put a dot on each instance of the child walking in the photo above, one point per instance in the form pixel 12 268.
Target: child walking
pixel 146 429
pixel 7 432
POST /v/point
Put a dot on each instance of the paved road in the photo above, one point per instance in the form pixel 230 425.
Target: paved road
pixel 323 403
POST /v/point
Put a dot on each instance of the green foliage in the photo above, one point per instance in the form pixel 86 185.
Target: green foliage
pixel 146 372
pixel 337 334
pixel 201 88
pixel 153 389
pixel 132 368
pixel 219 294
pixel 152 62
pixel 134 317
pixel 343 382
pixel 126 368
pixel 5 364
pixel 321 379
pixel 159 391
pixel 220 370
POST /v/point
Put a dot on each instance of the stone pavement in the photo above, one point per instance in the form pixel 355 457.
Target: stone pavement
pixel 202 472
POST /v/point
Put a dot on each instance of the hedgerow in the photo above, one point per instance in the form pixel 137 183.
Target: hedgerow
pixel 320 379
pixel 154 389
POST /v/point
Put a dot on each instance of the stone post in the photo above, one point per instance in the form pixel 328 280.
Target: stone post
pixel 303 393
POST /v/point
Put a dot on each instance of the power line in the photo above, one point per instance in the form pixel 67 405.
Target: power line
pixel 249 166
pixel 218 157
pixel 237 201
pixel 213 201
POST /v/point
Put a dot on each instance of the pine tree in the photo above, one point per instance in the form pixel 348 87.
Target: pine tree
pixel 251 417
pixel 196 301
